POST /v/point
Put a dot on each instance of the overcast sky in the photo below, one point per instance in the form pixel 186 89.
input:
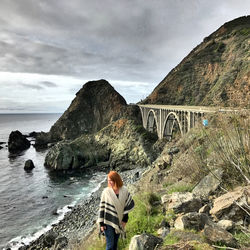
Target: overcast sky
pixel 50 48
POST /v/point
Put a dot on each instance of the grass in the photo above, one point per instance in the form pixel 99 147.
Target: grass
pixel 144 218
pixel 170 240
pixel 180 188
pixel 242 238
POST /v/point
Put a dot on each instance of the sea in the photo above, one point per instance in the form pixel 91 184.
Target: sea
pixel 30 202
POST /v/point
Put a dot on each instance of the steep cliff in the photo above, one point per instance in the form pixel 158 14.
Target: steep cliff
pixel 215 73
pixel 96 105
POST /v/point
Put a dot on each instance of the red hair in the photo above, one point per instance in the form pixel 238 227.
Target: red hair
pixel 116 178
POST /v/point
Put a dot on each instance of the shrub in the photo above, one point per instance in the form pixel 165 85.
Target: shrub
pixel 227 145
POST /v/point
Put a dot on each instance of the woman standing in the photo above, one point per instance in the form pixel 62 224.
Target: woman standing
pixel 116 203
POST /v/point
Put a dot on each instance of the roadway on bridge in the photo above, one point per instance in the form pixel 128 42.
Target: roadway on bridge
pixel 205 109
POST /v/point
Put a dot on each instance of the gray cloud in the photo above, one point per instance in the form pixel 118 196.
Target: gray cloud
pixel 48 84
pixel 31 86
pixel 126 40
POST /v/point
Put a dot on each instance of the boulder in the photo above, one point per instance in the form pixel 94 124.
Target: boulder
pixel 163 232
pixel 60 243
pixel 49 239
pixel 218 235
pixel 226 224
pixel 144 242
pixel 193 220
pixel 62 157
pixel 184 202
pixel 225 206
pixel 208 185
pixel 205 209
pixel 29 165
pixel 17 142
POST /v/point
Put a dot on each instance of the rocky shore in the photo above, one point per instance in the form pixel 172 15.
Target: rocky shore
pixel 79 222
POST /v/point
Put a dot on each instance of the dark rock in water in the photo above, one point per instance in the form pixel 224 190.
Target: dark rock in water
pixel 1 142
pixel 29 165
pixel 54 212
pixel 17 142
pixel 45 197
pixel 1 147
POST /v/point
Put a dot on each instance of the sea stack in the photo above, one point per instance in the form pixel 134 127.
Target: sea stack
pixel 17 142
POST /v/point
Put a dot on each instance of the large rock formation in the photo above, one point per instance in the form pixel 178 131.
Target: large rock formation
pixel 121 145
pixel 17 142
pixel 216 72
pixel 95 106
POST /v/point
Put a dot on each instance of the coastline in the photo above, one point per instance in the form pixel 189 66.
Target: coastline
pixel 81 219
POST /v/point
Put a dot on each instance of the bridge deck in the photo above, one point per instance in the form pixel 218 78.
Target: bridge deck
pixel 206 109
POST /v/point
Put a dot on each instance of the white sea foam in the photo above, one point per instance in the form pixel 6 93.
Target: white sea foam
pixel 20 241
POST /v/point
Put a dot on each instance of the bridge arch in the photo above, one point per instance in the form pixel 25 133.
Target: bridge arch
pixel 151 121
pixel 171 120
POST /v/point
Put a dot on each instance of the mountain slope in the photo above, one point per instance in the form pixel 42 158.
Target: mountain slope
pixel 215 73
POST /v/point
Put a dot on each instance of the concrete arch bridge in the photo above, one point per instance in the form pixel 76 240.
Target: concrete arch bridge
pixel 165 119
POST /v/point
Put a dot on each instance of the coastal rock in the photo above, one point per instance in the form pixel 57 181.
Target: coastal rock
pixel 60 243
pixel 144 242
pixel 17 142
pixel 208 185
pixel 29 165
pixel 49 239
pixel 96 105
pixel 120 144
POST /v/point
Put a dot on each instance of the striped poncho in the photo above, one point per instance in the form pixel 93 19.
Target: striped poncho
pixel 112 208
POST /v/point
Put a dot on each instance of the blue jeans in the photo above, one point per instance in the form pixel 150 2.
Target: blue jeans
pixel 111 238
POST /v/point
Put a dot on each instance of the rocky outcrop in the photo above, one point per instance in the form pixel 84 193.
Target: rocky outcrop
pixel 29 165
pixel 96 105
pixel 121 145
pixel 215 73
pixel 17 142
